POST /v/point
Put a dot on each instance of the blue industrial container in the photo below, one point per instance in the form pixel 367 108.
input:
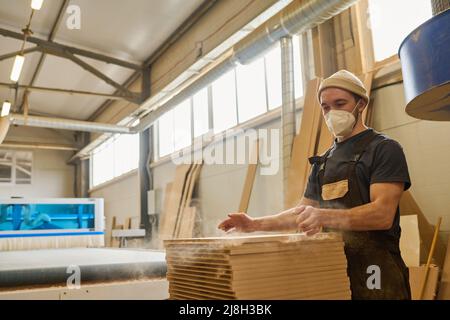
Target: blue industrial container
pixel 425 60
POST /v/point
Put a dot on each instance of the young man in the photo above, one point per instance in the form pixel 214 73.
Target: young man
pixel 354 187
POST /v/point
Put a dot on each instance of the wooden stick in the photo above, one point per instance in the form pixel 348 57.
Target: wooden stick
pixel 430 256
pixel 249 179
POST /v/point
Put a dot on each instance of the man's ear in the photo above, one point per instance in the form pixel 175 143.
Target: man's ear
pixel 362 104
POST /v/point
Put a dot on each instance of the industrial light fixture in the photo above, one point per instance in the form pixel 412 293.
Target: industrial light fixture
pixel 36 4
pixel 5 109
pixel 17 68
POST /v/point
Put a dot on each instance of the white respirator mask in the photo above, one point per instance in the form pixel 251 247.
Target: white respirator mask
pixel 341 122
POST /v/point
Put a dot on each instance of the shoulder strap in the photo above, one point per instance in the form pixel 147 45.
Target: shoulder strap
pixel 362 145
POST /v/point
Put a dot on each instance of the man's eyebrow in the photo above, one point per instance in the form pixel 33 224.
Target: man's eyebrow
pixel 335 101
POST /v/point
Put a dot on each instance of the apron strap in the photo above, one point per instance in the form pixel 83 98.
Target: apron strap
pixel 359 149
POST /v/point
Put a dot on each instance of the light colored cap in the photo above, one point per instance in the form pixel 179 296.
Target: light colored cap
pixel 346 80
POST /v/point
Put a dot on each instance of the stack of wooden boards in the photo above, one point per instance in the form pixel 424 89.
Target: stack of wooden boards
pixel 289 266
pixel 178 217
pixel 312 139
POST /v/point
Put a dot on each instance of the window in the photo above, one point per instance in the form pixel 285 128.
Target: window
pixel 273 69
pixel 182 125
pixel 126 153
pixel 251 90
pixel 15 167
pixel 237 96
pixel 166 134
pixel 201 112
pixel 224 102
pixel 389 28
pixel 115 157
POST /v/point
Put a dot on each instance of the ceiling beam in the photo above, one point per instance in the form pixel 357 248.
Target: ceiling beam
pixel 129 95
pixel 53 47
pixel 65 91
pixel 13 54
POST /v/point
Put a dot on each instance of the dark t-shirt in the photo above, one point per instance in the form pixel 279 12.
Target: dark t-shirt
pixel 383 161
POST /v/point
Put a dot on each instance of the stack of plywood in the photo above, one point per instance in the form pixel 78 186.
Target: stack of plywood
pixel 288 266
pixel 178 217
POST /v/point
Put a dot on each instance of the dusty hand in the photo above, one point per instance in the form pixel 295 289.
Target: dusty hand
pixel 309 220
pixel 239 222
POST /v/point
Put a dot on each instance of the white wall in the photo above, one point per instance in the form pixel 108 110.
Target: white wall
pixel 52 177
pixel 427 148
pixel 121 199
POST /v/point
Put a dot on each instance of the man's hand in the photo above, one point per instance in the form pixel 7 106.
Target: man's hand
pixel 238 222
pixel 309 220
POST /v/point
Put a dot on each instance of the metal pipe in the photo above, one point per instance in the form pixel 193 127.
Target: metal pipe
pixel 37 145
pixel 288 105
pixel 65 124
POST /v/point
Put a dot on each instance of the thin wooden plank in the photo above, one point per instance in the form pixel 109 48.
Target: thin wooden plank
pixel 249 178
pixel 188 214
pixel 238 264
pixel 184 196
pixel 368 111
pixel 410 240
pixel 265 248
pixel 186 228
pixel 302 146
pixel 239 240
pixel 167 227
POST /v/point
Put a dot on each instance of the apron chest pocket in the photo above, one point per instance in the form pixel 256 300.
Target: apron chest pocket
pixel 334 190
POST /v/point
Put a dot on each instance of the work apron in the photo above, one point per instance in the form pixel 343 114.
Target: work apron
pixel 375 267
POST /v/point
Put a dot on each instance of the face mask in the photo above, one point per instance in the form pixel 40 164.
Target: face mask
pixel 340 122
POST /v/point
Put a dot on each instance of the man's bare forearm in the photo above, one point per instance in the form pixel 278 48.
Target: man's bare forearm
pixel 283 221
pixel 370 216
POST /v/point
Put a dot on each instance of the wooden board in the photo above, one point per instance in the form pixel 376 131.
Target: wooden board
pixel 184 198
pixel 188 214
pixel 416 278
pixel 326 139
pixel 304 145
pixel 410 240
pixel 187 222
pixel 368 111
pixel 249 179
pixel 444 287
pixel 409 206
pixel 167 227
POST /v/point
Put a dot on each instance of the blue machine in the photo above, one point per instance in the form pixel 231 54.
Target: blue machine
pixel 425 59
pixel 55 217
